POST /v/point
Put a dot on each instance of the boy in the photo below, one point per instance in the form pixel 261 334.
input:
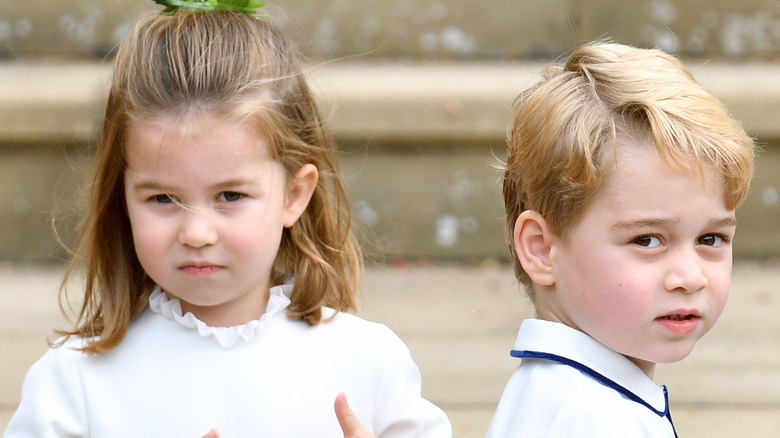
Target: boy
pixel 620 188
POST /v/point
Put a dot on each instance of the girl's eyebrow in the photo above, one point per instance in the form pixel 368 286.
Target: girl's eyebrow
pixel 236 182
pixel 727 221
pixel 148 186
pixel 156 186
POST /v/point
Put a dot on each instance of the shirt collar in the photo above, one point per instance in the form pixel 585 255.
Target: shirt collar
pixel 227 337
pixel 561 340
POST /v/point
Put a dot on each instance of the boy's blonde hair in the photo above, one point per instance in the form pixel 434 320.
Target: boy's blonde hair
pixel 566 129
pixel 226 64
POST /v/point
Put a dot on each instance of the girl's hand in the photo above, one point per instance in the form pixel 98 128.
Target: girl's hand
pixel 349 422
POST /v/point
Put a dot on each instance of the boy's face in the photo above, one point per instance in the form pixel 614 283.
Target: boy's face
pixel 646 271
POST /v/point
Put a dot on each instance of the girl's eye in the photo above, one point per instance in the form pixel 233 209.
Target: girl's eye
pixel 647 241
pixel 710 240
pixel 230 196
pixel 163 199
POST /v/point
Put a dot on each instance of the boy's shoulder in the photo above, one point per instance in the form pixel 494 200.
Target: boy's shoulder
pixel 555 400
pixel 554 393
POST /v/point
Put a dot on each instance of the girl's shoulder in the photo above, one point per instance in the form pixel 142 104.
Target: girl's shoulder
pixel 64 358
pixel 52 393
pixel 58 370
pixel 68 348
pixel 357 325
pixel 351 330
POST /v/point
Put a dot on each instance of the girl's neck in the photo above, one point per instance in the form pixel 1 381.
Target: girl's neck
pixel 229 314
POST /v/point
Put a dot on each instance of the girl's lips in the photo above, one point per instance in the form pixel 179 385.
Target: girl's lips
pixel 680 322
pixel 200 270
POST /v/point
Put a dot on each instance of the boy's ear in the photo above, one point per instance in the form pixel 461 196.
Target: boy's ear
pixel 533 240
pixel 299 192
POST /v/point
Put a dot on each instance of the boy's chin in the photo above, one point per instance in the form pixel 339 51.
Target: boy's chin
pixel 667 357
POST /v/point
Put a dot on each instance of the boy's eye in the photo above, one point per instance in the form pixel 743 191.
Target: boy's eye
pixel 647 241
pixel 710 240
pixel 230 196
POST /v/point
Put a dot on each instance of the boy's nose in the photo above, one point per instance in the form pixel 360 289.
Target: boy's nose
pixel 686 273
pixel 197 229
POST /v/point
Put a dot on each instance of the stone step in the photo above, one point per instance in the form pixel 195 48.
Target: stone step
pixel 420 141
pixel 470 29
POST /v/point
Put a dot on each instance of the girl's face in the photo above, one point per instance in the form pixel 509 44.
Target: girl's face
pixel 207 205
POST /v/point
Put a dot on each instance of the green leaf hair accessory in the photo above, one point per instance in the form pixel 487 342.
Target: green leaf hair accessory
pixel 248 7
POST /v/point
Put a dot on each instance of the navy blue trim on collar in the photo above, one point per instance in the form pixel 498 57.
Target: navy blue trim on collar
pixel 604 380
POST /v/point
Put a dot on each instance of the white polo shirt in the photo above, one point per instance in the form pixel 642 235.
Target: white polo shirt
pixel 568 384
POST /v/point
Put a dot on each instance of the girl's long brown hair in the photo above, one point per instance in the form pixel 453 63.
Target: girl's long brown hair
pixel 231 65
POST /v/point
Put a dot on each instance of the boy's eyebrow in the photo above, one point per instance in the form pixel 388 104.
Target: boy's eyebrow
pixel 642 223
pixel 728 221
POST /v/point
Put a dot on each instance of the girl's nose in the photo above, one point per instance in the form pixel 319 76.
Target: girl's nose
pixel 686 272
pixel 197 229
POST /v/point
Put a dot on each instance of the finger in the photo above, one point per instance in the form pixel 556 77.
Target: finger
pixel 213 433
pixel 348 420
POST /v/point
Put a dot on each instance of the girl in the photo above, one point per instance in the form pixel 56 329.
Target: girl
pixel 217 257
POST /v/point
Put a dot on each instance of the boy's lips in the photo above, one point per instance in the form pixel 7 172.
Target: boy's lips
pixel 681 322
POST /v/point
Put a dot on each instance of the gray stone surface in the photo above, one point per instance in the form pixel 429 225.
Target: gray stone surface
pixel 460 322
pixel 419 92
pixel 416 29
pixel 691 28
pixel 420 142
pixel 40 195
pixel 446 204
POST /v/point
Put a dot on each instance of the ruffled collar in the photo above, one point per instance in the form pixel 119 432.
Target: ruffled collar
pixel 170 308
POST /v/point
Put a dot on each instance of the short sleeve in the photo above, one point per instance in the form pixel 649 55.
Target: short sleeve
pixel 52 402
pixel 401 410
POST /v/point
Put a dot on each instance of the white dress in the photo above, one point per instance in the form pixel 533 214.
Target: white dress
pixel 174 376
pixel 570 385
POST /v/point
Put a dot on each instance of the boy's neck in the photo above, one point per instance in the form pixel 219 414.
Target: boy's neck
pixel 647 367
pixel 546 314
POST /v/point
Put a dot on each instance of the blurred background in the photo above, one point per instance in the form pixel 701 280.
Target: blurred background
pixel 418 93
